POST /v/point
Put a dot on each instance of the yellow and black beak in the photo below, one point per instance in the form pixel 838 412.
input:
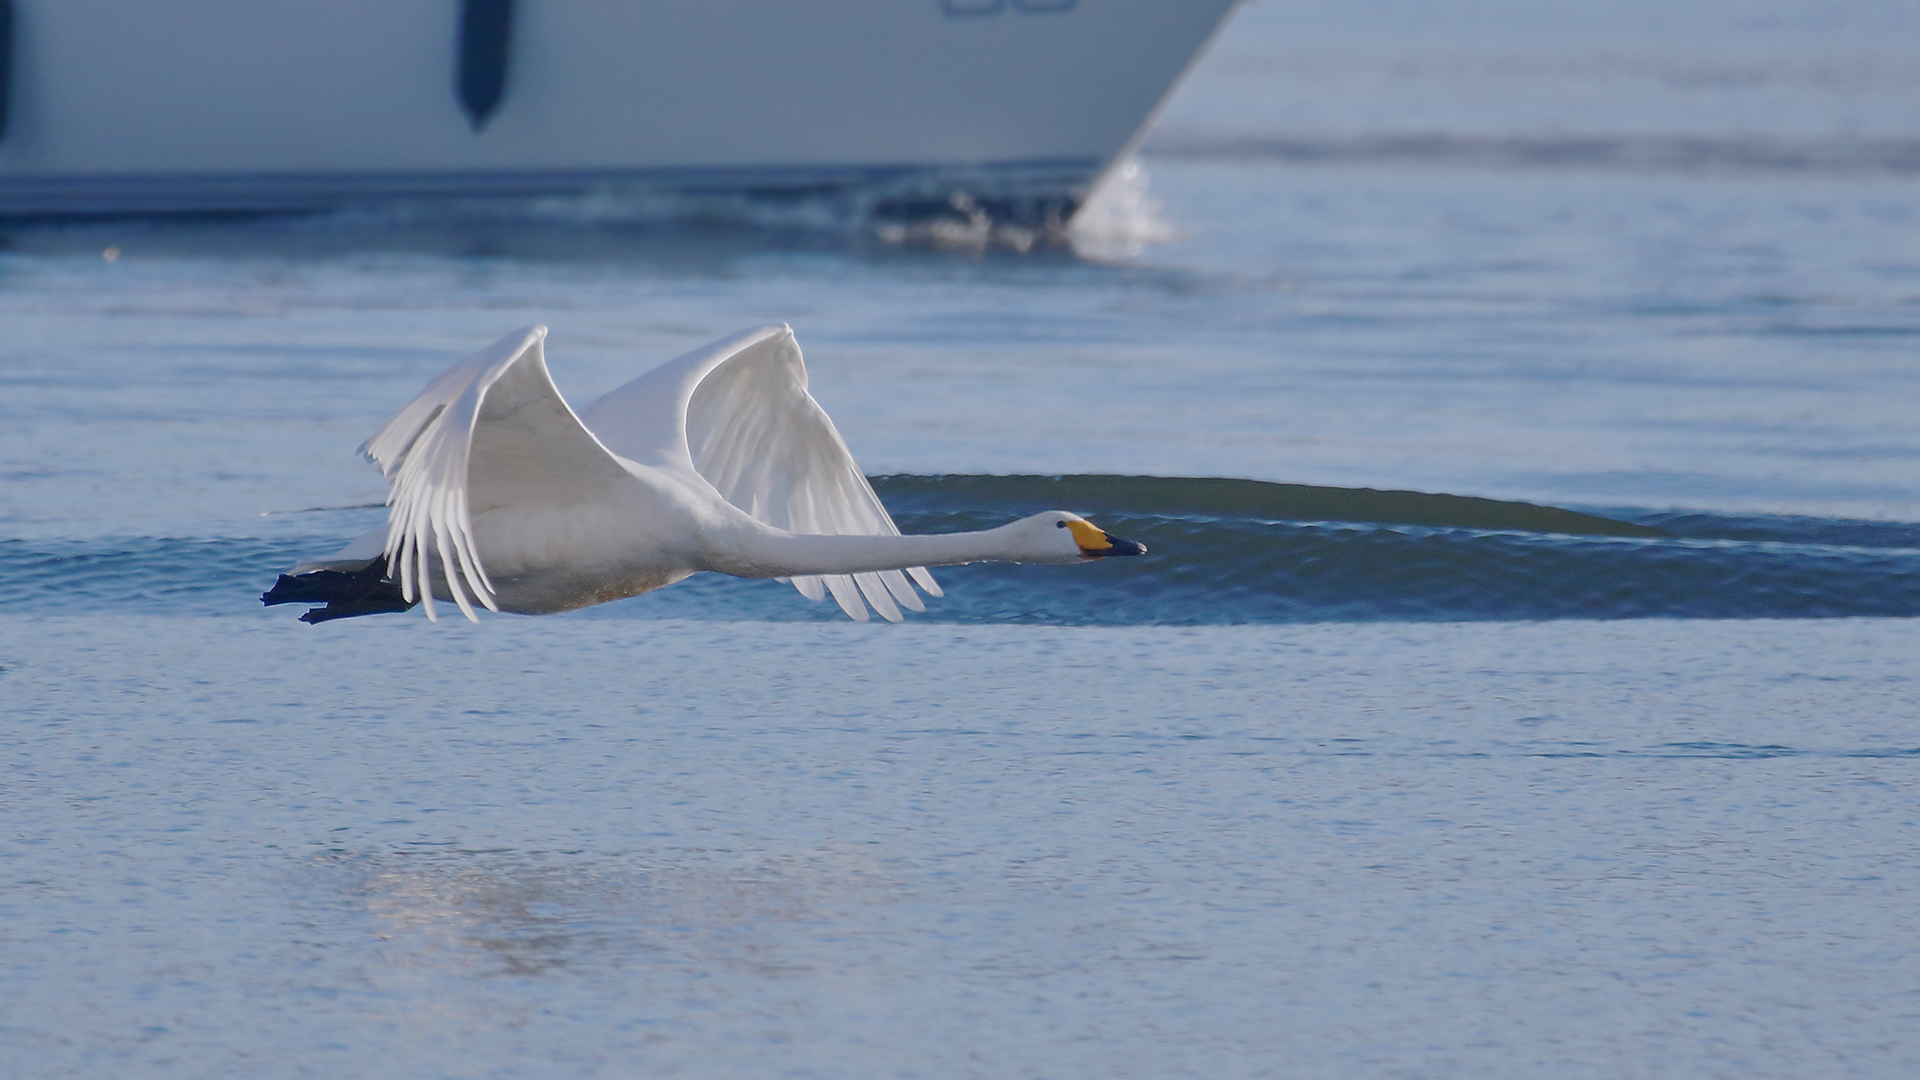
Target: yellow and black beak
pixel 1096 544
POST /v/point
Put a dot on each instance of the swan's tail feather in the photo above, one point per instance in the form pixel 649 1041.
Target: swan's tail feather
pixel 346 593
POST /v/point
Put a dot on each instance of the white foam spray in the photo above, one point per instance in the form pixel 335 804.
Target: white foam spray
pixel 1120 218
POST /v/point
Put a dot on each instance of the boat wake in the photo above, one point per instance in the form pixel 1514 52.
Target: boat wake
pixel 1220 551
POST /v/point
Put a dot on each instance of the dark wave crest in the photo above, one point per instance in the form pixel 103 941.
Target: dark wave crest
pixel 1224 498
pixel 1220 551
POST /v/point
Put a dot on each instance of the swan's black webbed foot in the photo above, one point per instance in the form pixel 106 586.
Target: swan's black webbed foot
pixel 367 591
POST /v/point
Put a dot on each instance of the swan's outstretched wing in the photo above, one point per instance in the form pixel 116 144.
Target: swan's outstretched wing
pixel 491 431
pixel 738 411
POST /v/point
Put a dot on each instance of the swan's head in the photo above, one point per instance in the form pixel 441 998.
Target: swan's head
pixel 1064 539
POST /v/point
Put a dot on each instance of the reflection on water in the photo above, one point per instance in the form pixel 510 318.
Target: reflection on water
pixel 491 913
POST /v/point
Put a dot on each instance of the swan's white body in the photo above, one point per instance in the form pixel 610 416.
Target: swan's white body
pixel 719 460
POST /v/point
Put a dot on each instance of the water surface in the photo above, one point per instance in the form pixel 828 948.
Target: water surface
pixel 1560 719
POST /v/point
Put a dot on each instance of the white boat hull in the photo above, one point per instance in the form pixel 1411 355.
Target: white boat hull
pixel 237 105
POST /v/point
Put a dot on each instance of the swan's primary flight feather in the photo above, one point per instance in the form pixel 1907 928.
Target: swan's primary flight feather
pixel 719 460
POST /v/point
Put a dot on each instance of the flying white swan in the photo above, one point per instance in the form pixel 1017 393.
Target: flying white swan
pixel 720 460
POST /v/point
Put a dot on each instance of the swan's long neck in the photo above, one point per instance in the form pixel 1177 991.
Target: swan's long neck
pixel 771 553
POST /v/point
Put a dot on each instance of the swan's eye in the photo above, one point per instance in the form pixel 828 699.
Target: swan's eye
pixel 1059 524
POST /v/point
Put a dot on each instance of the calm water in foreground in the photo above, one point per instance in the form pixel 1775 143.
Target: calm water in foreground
pixel 1316 789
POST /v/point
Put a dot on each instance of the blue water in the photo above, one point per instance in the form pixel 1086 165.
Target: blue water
pixel 1382 764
